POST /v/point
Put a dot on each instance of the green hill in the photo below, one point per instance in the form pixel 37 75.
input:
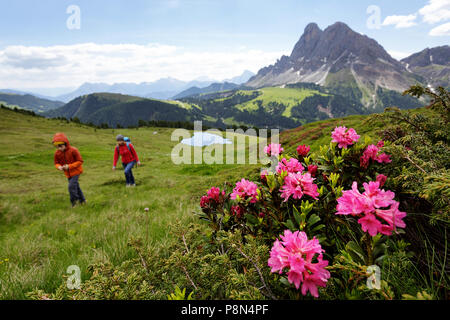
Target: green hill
pixel 282 107
pixel 29 102
pixel 117 109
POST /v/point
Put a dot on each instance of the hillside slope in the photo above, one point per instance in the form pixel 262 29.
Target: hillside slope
pixel 40 235
pixel 29 102
pixel 123 110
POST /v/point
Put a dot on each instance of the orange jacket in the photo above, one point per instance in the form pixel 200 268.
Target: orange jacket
pixel 70 156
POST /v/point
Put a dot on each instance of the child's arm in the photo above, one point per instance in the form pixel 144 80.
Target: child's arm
pixel 58 165
pixel 116 156
pixel 78 159
pixel 133 151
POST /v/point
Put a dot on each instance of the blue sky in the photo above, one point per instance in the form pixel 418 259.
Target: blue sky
pixel 203 32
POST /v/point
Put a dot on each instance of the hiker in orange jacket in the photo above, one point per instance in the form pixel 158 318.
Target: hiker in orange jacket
pixel 68 159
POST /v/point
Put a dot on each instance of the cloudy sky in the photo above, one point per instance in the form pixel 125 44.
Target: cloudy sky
pixel 62 44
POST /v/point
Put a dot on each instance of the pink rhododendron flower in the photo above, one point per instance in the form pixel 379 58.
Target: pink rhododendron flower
pixel 312 169
pixel 263 175
pixel 381 178
pixel 371 153
pixel 297 184
pixel 212 194
pixel 296 253
pixel 204 201
pixel 245 190
pixel 377 209
pixel 291 165
pixel 237 211
pixel 303 150
pixel 344 137
pixel 273 149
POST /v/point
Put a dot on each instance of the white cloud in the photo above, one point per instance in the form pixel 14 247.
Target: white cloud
pixel 400 21
pixel 72 65
pixel 436 11
pixel 442 30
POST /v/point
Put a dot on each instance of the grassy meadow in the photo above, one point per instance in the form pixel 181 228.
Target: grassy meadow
pixel 41 235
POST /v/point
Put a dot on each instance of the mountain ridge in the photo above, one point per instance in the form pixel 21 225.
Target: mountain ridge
pixel 341 59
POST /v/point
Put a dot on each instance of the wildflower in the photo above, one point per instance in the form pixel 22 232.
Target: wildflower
pixel 303 150
pixel 297 184
pixel 237 211
pixel 312 169
pixel 245 190
pixel 291 166
pixel 263 175
pixel 343 137
pixel 273 149
pixel 214 194
pixel 204 201
pixel 371 153
pixel 377 209
pixel 381 178
pixel 296 253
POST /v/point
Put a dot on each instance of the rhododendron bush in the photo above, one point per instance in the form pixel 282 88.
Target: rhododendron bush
pixel 313 209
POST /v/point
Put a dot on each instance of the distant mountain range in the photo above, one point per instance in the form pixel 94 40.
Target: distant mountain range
pixel 215 87
pixel 330 73
pixel 165 88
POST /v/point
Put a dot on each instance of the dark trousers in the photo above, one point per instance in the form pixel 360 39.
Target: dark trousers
pixel 75 191
pixel 129 178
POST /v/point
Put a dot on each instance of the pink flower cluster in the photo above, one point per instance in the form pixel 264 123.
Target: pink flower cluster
pixel 312 169
pixel 245 190
pixel 273 149
pixel 298 184
pixel 213 194
pixel 296 252
pixel 344 137
pixel 291 166
pixel 303 150
pixel 237 211
pixel 371 152
pixel 374 206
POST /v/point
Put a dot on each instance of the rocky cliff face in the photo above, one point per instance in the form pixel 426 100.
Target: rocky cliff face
pixel 432 64
pixel 339 58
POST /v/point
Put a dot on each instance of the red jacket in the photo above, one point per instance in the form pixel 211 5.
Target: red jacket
pixel 127 156
pixel 70 156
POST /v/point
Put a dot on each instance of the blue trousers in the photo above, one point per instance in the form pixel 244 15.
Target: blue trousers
pixel 75 191
pixel 129 178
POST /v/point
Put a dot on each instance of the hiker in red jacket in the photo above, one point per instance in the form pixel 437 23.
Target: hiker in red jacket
pixel 129 159
pixel 68 159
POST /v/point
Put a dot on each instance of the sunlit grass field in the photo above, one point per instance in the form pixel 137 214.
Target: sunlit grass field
pixel 41 235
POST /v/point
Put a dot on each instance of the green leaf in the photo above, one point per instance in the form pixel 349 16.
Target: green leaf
pixel 313 219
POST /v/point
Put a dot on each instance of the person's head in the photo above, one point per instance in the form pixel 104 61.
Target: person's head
pixel 120 139
pixel 60 145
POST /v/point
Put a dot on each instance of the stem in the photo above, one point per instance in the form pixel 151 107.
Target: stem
pixel 369 249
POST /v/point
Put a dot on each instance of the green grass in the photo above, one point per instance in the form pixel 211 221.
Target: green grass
pixel 41 235
pixel 290 97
